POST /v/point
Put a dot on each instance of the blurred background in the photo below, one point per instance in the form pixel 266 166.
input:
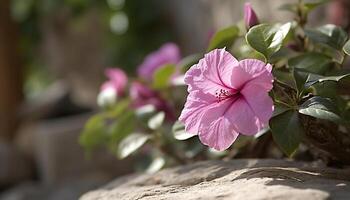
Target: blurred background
pixel 52 57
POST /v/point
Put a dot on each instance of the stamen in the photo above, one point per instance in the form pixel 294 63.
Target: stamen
pixel 222 94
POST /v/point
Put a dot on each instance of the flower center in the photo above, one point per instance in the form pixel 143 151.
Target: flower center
pixel 223 94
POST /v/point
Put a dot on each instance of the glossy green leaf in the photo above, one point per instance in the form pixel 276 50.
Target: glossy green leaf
pixel 312 62
pixel 319 107
pixel 330 35
pixel 224 38
pixel 287 131
pixel 162 76
pixel 267 39
pixel 300 78
pixel 314 78
pixel 346 47
pixel 179 132
pixel 156 121
pixel 131 143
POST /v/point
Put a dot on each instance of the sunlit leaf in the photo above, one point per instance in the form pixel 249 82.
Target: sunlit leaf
pixel 321 108
pixel 267 39
pixel 346 47
pixel 156 121
pixel 179 132
pixel 131 143
pixel 157 164
pixel 330 35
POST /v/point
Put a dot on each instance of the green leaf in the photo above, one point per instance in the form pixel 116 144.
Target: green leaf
pixel 162 76
pixel 312 62
pixel 314 78
pixel 287 131
pixel 118 109
pixel 144 113
pixel 179 132
pixel 156 121
pixel 189 61
pixel 124 125
pixel 267 39
pixel 346 47
pixel 131 143
pixel 300 78
pixel 94 132
pixel 321 108
pixel 279 109
pixel 224 38
pixel 330 35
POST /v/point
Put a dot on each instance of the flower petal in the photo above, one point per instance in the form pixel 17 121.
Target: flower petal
pixel 196 105
pixel 213 72
pixel 252 71
pixel 117 79
pixel 260 102
pixel 243 117
pixel 216 129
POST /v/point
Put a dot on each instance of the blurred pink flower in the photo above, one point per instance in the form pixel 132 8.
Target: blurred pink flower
pixel 117 79
pixel 169 53
pixel 113 88
pixel 250 17
pixel 227 98
pixel 142 95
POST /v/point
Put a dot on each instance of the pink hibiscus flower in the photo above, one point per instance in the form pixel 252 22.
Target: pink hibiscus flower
pixel 227 98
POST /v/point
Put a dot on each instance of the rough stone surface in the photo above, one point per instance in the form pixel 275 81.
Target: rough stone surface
pixel 237 179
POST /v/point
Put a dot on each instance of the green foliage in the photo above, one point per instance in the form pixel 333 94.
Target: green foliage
pixel 224 38
pixel 287 131
pixel 94 133
pixel 131 143
pixel 321 108
pixel 121 128
pixel 179 132
pixel 156 121
pixel 346 47
pixel 330 35
pixel 305 7
pixel 162 76
pixel 313 62
pixel 267 39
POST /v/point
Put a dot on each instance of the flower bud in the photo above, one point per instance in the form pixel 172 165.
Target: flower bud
pixel 250 17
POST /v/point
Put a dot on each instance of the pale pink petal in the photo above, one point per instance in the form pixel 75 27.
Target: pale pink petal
pixel 197 103
pixel 253 71
pixel 212 73
pixel 243 118
pixel 216 129
pixel 259 101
